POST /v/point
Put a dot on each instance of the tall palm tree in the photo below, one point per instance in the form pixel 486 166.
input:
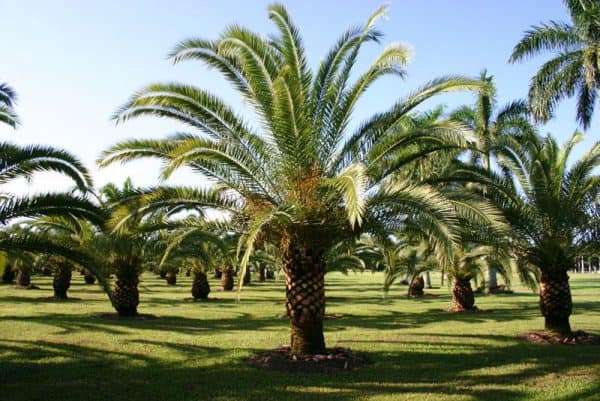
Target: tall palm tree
pixel 575 69
pixel 292 180
pixel 8 98
pixel 553 207
pixel 490 127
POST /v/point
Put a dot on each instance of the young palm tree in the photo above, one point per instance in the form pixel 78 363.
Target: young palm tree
pixel 7 100
pixel 490 127
pixel 70 232
pixel 554 210
pixel 292 181
pixel 574 71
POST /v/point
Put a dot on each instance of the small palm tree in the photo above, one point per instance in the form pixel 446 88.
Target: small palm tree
pixel 70 232
pixel 575 70
pixel 301 179
pixel 553 207
pixel 490 128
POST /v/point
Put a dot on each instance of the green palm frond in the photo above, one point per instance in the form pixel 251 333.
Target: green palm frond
pixel 23 162
pixel 351 183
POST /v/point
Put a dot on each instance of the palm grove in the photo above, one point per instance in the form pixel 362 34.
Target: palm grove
pixel 472 193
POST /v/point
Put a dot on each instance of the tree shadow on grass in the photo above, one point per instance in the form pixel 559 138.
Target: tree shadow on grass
pixel 72 323
pixel 508 370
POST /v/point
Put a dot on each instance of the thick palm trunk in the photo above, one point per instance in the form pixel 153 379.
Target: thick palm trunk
pixel 171 278
pixel 126 296
pixel 62 280
pixel 23 279
pixel 227 280
pixel 9 275
pixel 247 277
pixel 262 274
pixel 89 278
pixel 200 286
pixel 305 294
pixel 462 295
pixel 416 287
pixel 556 303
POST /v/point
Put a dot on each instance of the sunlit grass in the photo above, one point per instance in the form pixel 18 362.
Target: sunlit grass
pixel 194 351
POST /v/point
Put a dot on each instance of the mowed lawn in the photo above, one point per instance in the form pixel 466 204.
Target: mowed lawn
pixel 195 351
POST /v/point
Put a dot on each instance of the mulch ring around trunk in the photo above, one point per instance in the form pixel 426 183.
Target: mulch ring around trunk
pixel 139 316
pixel 334 360
pixel 578 338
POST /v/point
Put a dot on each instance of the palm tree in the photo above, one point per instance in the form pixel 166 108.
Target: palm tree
pixel 293 181
pixel 8 98
pixel 490 127
pixel 71 232
pixel 575 70
pixel 553 207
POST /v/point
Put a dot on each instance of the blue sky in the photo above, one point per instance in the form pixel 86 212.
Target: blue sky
pixel 74 62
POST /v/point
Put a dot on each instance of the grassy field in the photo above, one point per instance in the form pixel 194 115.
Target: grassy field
pixel 194 351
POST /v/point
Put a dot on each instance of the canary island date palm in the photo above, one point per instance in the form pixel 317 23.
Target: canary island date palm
pixel 490 126
pixel 194 242
pixel 73 233
pixel 554 216
pixel 297 178
pixel 574 71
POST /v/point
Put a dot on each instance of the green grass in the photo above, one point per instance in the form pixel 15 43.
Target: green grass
pixel 194 351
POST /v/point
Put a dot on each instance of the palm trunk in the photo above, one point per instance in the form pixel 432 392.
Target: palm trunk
pixel 556 304
pixel 200 286
pixel 415 289
pixel 171 278
pixel 262 274
pixel 126 296
pixel 247 277
pixel 89 278
pixel 9 274
pixel 227 280
pixel 62 280
pixel 23 279
pixel 305 294
pixel 462 295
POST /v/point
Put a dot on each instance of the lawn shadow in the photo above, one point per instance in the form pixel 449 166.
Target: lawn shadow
pixel 67 372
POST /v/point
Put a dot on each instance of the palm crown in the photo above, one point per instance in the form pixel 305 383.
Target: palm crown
pixel 574 71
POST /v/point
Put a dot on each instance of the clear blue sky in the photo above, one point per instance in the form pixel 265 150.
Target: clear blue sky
pixel 74 62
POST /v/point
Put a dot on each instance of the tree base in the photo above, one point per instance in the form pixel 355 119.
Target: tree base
pixel 546 338
pixel 330 361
